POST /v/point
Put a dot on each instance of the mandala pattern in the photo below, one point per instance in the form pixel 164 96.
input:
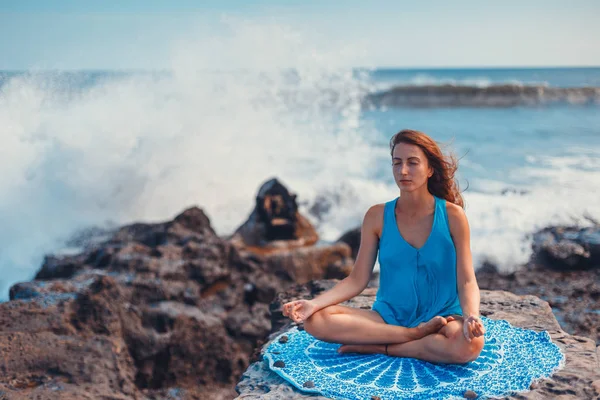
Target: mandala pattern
pixel 511 360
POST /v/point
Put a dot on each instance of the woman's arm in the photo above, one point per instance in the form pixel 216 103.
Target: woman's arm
pixel 359 278
pixel 468 290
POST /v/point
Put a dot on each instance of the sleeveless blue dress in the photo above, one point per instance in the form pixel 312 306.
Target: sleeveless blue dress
pixel 416 284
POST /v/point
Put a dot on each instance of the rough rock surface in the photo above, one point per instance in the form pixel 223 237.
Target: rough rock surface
pixel 575 380
pixel 275 218
pixel 568 248
pixel 158 311
pixel 352 239
pixel 574 295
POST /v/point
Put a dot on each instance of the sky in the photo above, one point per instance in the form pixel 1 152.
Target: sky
pixel 145 34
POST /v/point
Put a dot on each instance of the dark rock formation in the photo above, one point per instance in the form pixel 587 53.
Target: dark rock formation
pixel 352 239
pixel 563 271
pixel 575 381
pixel 566 248
pixel 573 295
pixel 167 310
pixel 275 218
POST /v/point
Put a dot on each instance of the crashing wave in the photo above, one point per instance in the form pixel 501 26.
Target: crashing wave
pixel 505 95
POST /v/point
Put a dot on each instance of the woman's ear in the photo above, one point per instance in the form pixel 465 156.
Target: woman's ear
pixel 430 174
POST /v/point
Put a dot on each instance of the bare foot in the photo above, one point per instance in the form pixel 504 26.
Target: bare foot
pixel 362 348
pixel 431 326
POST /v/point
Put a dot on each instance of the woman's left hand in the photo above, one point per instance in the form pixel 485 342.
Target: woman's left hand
pixel 472 328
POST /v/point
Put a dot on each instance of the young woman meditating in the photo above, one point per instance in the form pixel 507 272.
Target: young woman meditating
pixel 427 305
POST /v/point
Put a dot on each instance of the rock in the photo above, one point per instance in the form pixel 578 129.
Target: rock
pixel 567 248
pixel 275 221
pixel 310 263
pixel 574 295
pixel 596 386
pixel 259 383
pixel 352 239
pixel 574 380
pixel 533 386
pixel 55 267
pixel 469 394
pixel 165 310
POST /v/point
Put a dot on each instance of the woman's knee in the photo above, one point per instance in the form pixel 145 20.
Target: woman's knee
pixel 465 352
pixel 472 349
pixel 462 350
pixel 315 323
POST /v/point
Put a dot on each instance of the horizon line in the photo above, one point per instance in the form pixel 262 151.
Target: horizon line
pixel 383 67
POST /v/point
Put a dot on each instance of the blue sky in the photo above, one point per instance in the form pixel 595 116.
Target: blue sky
pixel 139 34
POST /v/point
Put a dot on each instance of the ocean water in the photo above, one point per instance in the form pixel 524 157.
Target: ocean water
pixel 103 148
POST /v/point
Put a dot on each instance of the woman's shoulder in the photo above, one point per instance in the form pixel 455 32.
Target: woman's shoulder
pixel 456 217
pixel 374 218
pixel 454 210
pixel 375 211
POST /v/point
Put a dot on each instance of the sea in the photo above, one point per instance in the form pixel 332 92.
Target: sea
pixel 88 151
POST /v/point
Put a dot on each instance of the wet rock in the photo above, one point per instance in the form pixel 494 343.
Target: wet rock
pixel 55 267
pixel 568 248
pixel 155 310
pixel 596 386
pixel 574 295
pixel 469 394
pixel 352 239
pixel 275 220
pixel 308 384
pixel 304 264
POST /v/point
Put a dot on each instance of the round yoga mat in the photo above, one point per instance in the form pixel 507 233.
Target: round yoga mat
pixel 511 360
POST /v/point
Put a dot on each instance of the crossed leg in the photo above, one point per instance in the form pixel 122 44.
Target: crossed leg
pixel 347 325
pixel 446 346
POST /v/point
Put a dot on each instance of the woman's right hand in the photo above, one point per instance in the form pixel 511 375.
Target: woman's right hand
pixel 299 310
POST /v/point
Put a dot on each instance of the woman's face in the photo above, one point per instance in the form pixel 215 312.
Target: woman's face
pixel 410 166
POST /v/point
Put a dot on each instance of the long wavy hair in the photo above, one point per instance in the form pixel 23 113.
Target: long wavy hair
pixel 442 183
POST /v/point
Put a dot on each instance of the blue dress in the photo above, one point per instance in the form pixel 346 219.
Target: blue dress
pixel 416 284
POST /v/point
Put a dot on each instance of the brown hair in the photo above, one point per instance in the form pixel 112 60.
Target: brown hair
pixel 442 183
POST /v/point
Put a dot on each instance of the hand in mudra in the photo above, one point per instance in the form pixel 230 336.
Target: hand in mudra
pixel 299 310
pixel 472 328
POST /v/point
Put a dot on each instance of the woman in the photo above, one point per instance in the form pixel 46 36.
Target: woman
pixel 427 305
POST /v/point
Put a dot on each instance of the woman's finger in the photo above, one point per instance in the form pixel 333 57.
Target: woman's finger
pixel 466 332
pixel 479 330
pixel 473 329
pixel 288 308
